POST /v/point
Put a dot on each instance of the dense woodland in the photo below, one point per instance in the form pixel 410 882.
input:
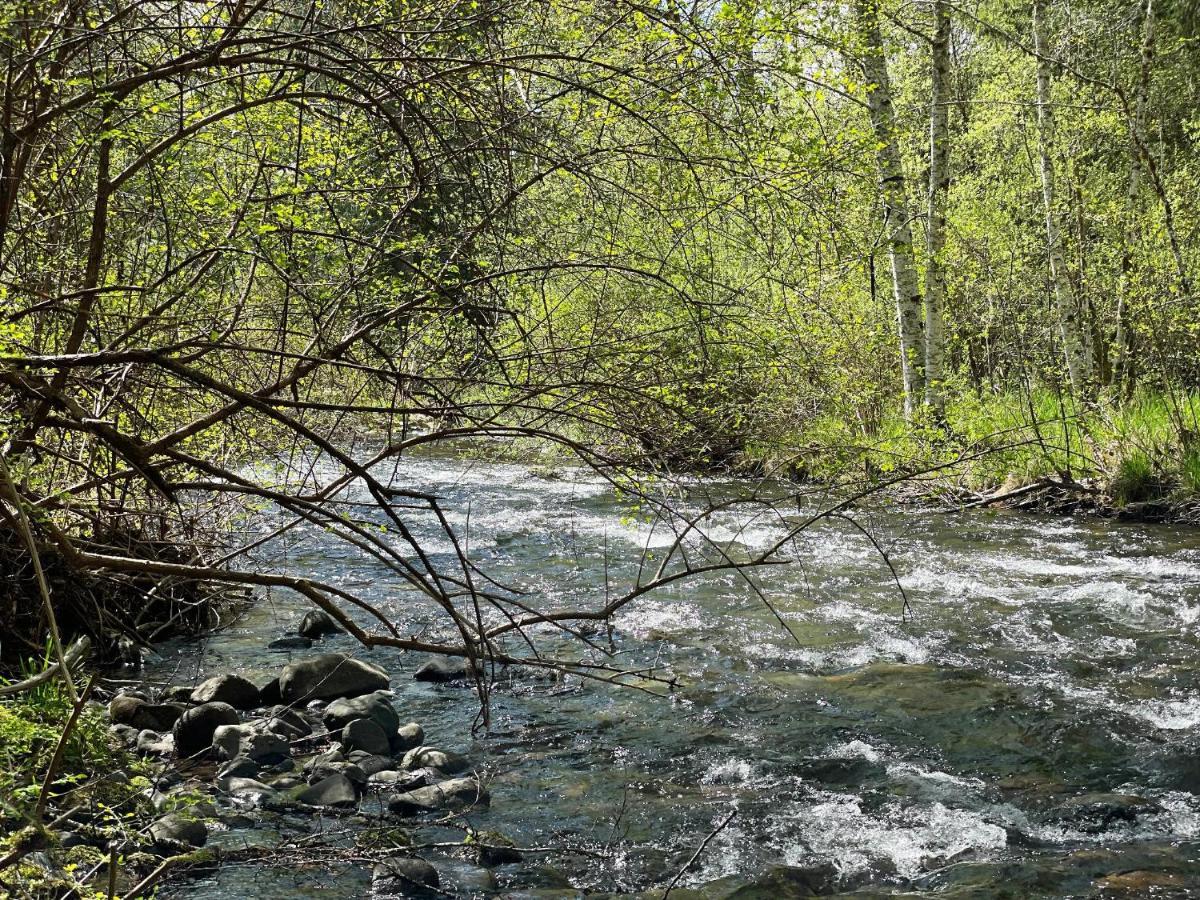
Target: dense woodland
pixel 252 252
pixel 797 238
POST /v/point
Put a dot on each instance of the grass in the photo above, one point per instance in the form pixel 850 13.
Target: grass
pixel 1140 449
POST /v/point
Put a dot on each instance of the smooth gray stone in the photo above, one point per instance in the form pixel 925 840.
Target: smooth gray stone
pixel 175 829
pixel 442 669
pixel 317 623
pixel 455 793
pixel 407 737
pixel 194 729
pixel 329 677
pixel 377 707
pixel 235 690
pixel 335 790
pixel 366 735
pixel 450 763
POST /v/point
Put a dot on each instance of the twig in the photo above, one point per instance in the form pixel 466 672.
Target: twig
pixel 695 856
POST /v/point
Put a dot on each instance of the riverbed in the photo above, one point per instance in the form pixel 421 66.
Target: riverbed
pixel 1029 726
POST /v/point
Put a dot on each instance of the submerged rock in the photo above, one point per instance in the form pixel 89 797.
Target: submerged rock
pixel 452 794
pixel 235 690
pixel 403 876
pixel 317 623
pixel 291 642
pixel 441 669
pixel 194 730
pixel 329 677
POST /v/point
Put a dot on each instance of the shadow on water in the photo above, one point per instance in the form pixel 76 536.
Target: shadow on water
pixel 1033 731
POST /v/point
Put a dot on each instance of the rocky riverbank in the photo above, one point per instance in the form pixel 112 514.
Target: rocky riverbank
pixel 322 741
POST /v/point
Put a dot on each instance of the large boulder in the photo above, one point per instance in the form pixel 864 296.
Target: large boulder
pixel 456 793
pixel 328 677
pixel 376 707
pixel 316 624
pixel 194 730
pixel 235 690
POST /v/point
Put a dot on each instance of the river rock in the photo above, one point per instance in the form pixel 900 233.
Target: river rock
pixel 137 713
pixel 370 763
pixel 407 737
pixel 442 669
pixel 248 791
pixel 232 741
pixel 376 707
pixel 194 729
pixel 269 694
pixel 328 677
pixel 291 642
pixel 402 876
pixel 495 849
pixel 239 767
pixel 334 790
pixel 366 735
pixel 460 878
pixel 235 690
pixel 175 830
pixel 317 623
pixel 1094 813
pixel 151 743
pixel 176 693
pixel 288 724
pixel 420 757
pixel 454 794
pixel 126 734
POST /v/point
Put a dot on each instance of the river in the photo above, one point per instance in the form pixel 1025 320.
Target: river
pixel 1031 729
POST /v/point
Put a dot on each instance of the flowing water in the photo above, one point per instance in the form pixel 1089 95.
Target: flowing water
pixel 1031 729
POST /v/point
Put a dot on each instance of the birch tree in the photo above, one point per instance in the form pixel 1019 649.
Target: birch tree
pixel 897 219
pixel 1137 139
pixel 935 235
pixel 1071 326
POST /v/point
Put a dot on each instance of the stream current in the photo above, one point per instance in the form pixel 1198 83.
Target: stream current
pixel 1031 729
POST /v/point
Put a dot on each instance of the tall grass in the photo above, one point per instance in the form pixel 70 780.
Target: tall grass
pixel 1140 449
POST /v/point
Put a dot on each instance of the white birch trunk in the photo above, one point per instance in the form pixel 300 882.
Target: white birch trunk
pixel 1067 307
pixel 935 234
pixel 897 219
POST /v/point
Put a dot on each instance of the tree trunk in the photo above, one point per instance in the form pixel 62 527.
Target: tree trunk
pixel 1070 320
pixel 897 219
pixel 935 235
pixel 1122 372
